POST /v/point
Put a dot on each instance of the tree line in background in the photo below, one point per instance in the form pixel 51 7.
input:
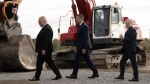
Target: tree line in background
pixel 146 44
pixel 56 45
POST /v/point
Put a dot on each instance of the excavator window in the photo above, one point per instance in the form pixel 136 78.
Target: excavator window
pixel 115 10
pixel 120 15
pixel 115 16
pixel 101 22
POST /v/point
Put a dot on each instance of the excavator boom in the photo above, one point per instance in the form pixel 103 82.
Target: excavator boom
pixel 85 7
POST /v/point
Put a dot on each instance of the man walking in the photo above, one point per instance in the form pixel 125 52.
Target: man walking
pixel 44 49
pixel 83 45
pixel 129 51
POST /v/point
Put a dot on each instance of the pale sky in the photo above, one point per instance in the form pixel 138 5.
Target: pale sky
pixel 30 10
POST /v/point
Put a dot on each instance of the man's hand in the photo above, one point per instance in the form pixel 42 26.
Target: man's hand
pixel 141 42
pixel 75 49
pixel 83 51
pixel 43 52
pixel 121 36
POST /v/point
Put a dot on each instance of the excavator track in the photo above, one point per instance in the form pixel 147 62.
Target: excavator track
pixel 106 58
pixel 102 58
pixel 64 58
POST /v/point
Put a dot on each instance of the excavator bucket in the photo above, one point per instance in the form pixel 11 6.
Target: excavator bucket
pixel 17 51
pixel 19 54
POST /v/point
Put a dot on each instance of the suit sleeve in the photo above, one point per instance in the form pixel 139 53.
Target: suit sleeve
pixel 85 35
pixel 131 38
pixel 47 39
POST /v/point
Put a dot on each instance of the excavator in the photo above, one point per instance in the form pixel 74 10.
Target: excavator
pixel 105 25
pixel 17 51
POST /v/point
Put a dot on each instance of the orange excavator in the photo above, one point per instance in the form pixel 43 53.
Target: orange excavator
pixel 105 25
pixel 17 51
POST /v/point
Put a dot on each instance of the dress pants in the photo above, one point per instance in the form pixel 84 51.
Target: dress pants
pixel 132 57
pixel 48 59
pixel 86 57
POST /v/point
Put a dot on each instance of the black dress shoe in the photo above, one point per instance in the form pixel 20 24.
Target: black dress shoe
pixel 72 77
pixel 34 79
pixel 134 79
pixel 57 77
pixel 120 77
pixel 94 75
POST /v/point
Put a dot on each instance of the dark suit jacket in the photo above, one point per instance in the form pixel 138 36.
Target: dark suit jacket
pixel 83 38
pixel 44 39
pixel 129 40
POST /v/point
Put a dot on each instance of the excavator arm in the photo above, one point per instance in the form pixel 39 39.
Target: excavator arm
pixel 85 7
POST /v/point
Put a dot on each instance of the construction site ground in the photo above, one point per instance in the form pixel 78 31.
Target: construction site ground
pixel 106 76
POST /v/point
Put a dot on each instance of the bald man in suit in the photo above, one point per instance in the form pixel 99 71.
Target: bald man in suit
pixel 44 49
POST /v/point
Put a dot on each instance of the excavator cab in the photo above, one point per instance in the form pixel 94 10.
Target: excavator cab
pixel 107 24
pixel 17 51
pixel 105 27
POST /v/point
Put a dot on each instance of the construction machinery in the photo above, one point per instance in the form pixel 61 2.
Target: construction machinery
pixel 17 51
pixel 105 24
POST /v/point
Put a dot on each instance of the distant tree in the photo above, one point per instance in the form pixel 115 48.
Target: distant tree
pixel 56 45
pixel 146 44
pixel 34 41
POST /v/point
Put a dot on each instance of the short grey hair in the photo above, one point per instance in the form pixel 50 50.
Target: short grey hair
pixel 129 20
pixel 80 16
pixel 43 18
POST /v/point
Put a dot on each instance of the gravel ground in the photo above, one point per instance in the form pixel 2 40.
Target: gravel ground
pixel 106 77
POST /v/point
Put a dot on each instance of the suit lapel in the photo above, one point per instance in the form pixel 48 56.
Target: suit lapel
pixel 79 29
pixel 127 32
pixel 42 29
pixel 80 26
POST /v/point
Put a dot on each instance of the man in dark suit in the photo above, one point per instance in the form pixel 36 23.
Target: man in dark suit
pixel 44 49
pixel 83 45
pixel 129 51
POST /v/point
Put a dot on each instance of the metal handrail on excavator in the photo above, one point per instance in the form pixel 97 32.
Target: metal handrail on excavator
pixel 8 2
pixel 60 20
pixel 59 24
